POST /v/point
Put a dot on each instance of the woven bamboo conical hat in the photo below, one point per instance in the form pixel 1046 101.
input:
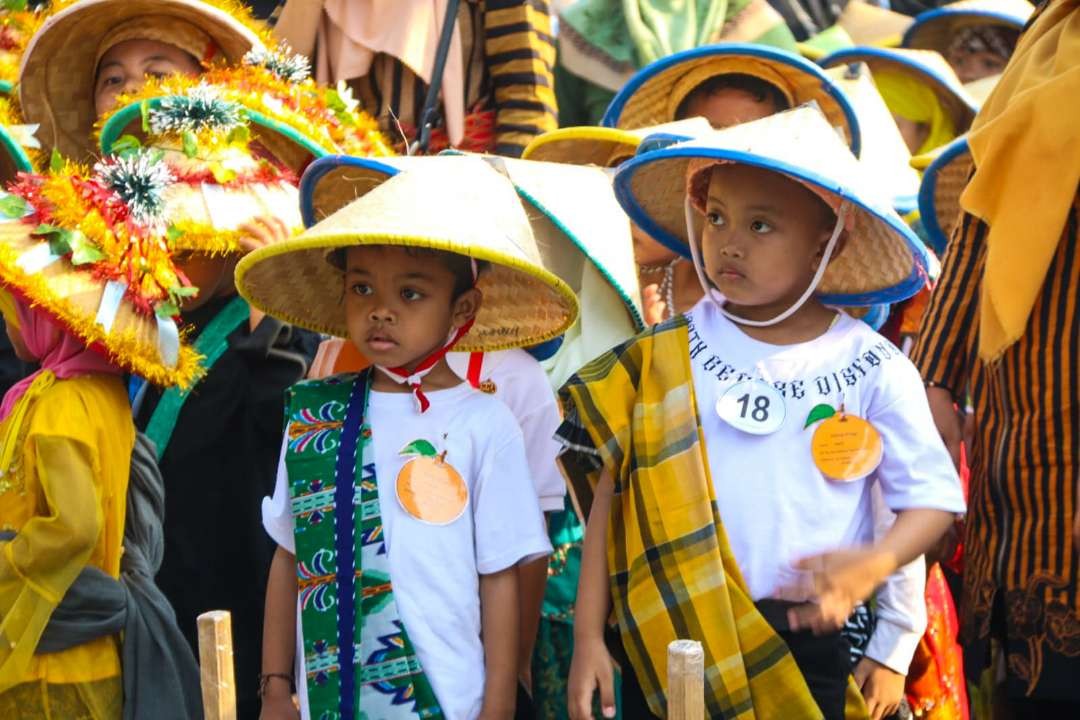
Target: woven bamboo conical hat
pixel 460 205
pixel 882 261
pixel 946 174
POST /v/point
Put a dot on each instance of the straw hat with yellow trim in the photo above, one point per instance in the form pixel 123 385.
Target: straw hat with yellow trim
pixel 882 261
pixel 935 29
pixel 884 153
pixel 56 79
pixel 88 248
pixel 576 221
pixel 926 65
pixel 213 148
pixel 654 93
pixel 945 175
pixel 467 208
pixel 604 146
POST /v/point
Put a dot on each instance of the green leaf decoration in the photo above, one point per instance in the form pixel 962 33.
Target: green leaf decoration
pixel 173 234
pixel 191 144
pixel 166 309
pixel 126 145
pixel 239 134
pixel 14 5
pixel 58 238
pixel 819 412
pixel 83 252
pixel 221 174
pixel 56 161
pixel 184 291
pixel 144 111
pixel 419 447
pixel 13 207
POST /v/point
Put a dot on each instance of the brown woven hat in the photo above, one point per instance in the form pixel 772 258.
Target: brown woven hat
pixel 926 65
pixel 884 153
pixel 460 205
pixel 56 79
pixel 604 146
pixel 936 28
pixel 882 261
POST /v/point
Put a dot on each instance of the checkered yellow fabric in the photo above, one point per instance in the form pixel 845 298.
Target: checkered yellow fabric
pixel 672 571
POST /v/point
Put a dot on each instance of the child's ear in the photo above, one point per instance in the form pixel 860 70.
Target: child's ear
pixel 466 306
pixel 823 243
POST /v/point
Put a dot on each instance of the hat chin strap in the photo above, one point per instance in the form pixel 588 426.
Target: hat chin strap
pixel 718 298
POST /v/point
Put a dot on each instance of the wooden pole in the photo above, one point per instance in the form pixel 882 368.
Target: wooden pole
pixel 686 680
pixel 216 665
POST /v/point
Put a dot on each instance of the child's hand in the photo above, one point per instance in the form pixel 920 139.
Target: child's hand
pixel 278 706
pixel 950 424
pixel 841 580
pixel 655 308
pixel 262 231
pixel 882 688
pixel 591 669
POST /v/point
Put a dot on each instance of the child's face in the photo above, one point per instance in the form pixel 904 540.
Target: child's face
pixel 125 67
pixel 212 274
pixel 972 66
pixel 646 250
pixel 764 238
pixel 400 307
pixel 728 107
pixel 914 133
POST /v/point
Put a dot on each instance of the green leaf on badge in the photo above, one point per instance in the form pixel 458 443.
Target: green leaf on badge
pixel 12 206
pixel 56 161
pixel 191 144
pixel 819 412
pixel 419 447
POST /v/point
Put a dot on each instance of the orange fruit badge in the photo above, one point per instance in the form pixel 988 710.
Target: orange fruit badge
pixel 428 487
pixel 844 447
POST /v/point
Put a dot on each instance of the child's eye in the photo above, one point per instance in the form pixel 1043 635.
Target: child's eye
pixel 410 294
pixel 714 218
pixel 760 226
pixel 361 289
pixel 111 80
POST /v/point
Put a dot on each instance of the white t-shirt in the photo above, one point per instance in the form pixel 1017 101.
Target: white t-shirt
pixel 521 383
pixel 436 569
pixel 777 507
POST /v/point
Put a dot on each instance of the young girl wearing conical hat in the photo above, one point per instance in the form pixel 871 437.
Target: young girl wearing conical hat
pixel 749 401
pixel 447 509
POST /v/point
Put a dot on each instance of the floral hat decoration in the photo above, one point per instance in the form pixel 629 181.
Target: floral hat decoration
pixel 88 247
pixel 18 23
pixel 277 84
pixel 231 164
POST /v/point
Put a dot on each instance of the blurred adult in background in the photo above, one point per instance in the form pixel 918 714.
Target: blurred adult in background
pixel 497 86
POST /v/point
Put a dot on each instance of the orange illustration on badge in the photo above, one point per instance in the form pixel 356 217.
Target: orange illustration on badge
pixel 844 447
pixel 429 488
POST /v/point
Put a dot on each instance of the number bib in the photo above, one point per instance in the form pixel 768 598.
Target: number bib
pixel 752 406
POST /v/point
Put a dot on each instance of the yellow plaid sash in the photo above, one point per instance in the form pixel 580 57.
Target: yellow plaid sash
pixel 672 571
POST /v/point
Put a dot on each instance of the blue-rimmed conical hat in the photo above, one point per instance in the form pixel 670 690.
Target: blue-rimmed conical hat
pixel 943 182
pixel 882 260
pixel 654 93
pixel 935 29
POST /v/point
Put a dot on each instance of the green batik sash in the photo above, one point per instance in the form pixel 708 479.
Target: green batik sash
pixel 358 658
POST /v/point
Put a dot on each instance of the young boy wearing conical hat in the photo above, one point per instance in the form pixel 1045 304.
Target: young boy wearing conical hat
pixel 446 506
pixel 726 458
pixel 93 295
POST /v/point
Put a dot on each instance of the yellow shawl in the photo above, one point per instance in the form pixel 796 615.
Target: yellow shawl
pixel 1026 147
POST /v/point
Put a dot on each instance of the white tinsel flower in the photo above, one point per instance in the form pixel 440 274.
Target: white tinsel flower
pixel 200 108
pixel 282 62
pixel 139 180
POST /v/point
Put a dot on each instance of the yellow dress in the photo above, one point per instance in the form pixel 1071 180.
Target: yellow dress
pixel 64 495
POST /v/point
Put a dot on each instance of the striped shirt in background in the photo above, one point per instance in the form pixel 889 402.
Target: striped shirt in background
pixel 1025 459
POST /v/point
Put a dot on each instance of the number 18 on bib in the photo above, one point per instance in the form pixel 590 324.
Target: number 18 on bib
pixel 752 406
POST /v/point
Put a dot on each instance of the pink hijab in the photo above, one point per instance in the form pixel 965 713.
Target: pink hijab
pixel 55 349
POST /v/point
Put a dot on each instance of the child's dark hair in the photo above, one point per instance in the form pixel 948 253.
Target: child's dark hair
pixel 757 88
pixel 459 265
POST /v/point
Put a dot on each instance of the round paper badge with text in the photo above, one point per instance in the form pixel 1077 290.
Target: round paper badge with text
pixel 845 447
pixel 428 488
pixel 752 406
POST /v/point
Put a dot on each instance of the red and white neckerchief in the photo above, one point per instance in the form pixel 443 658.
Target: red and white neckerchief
pixel 415 378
